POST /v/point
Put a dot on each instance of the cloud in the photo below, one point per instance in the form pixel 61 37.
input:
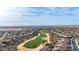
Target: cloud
pixel 42 15
pixel 54 11
pixel 40 11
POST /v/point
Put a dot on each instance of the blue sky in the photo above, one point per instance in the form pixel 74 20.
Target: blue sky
pixel 39 16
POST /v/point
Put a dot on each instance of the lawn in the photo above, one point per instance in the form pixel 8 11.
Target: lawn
pixel 36 42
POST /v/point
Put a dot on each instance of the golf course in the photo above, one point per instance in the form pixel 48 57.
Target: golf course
pixel 35 43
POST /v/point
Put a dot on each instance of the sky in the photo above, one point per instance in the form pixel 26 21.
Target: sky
pixel 19 16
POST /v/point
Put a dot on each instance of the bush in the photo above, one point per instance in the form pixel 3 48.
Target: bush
pixel 44 41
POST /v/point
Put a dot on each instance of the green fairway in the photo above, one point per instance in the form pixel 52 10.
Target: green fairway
pixel 36 42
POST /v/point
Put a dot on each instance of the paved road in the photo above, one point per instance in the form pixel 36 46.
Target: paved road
pixel 3 36
pixel 61 35
pixel 74 45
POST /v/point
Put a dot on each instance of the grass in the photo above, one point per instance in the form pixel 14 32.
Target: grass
pixel 36 42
